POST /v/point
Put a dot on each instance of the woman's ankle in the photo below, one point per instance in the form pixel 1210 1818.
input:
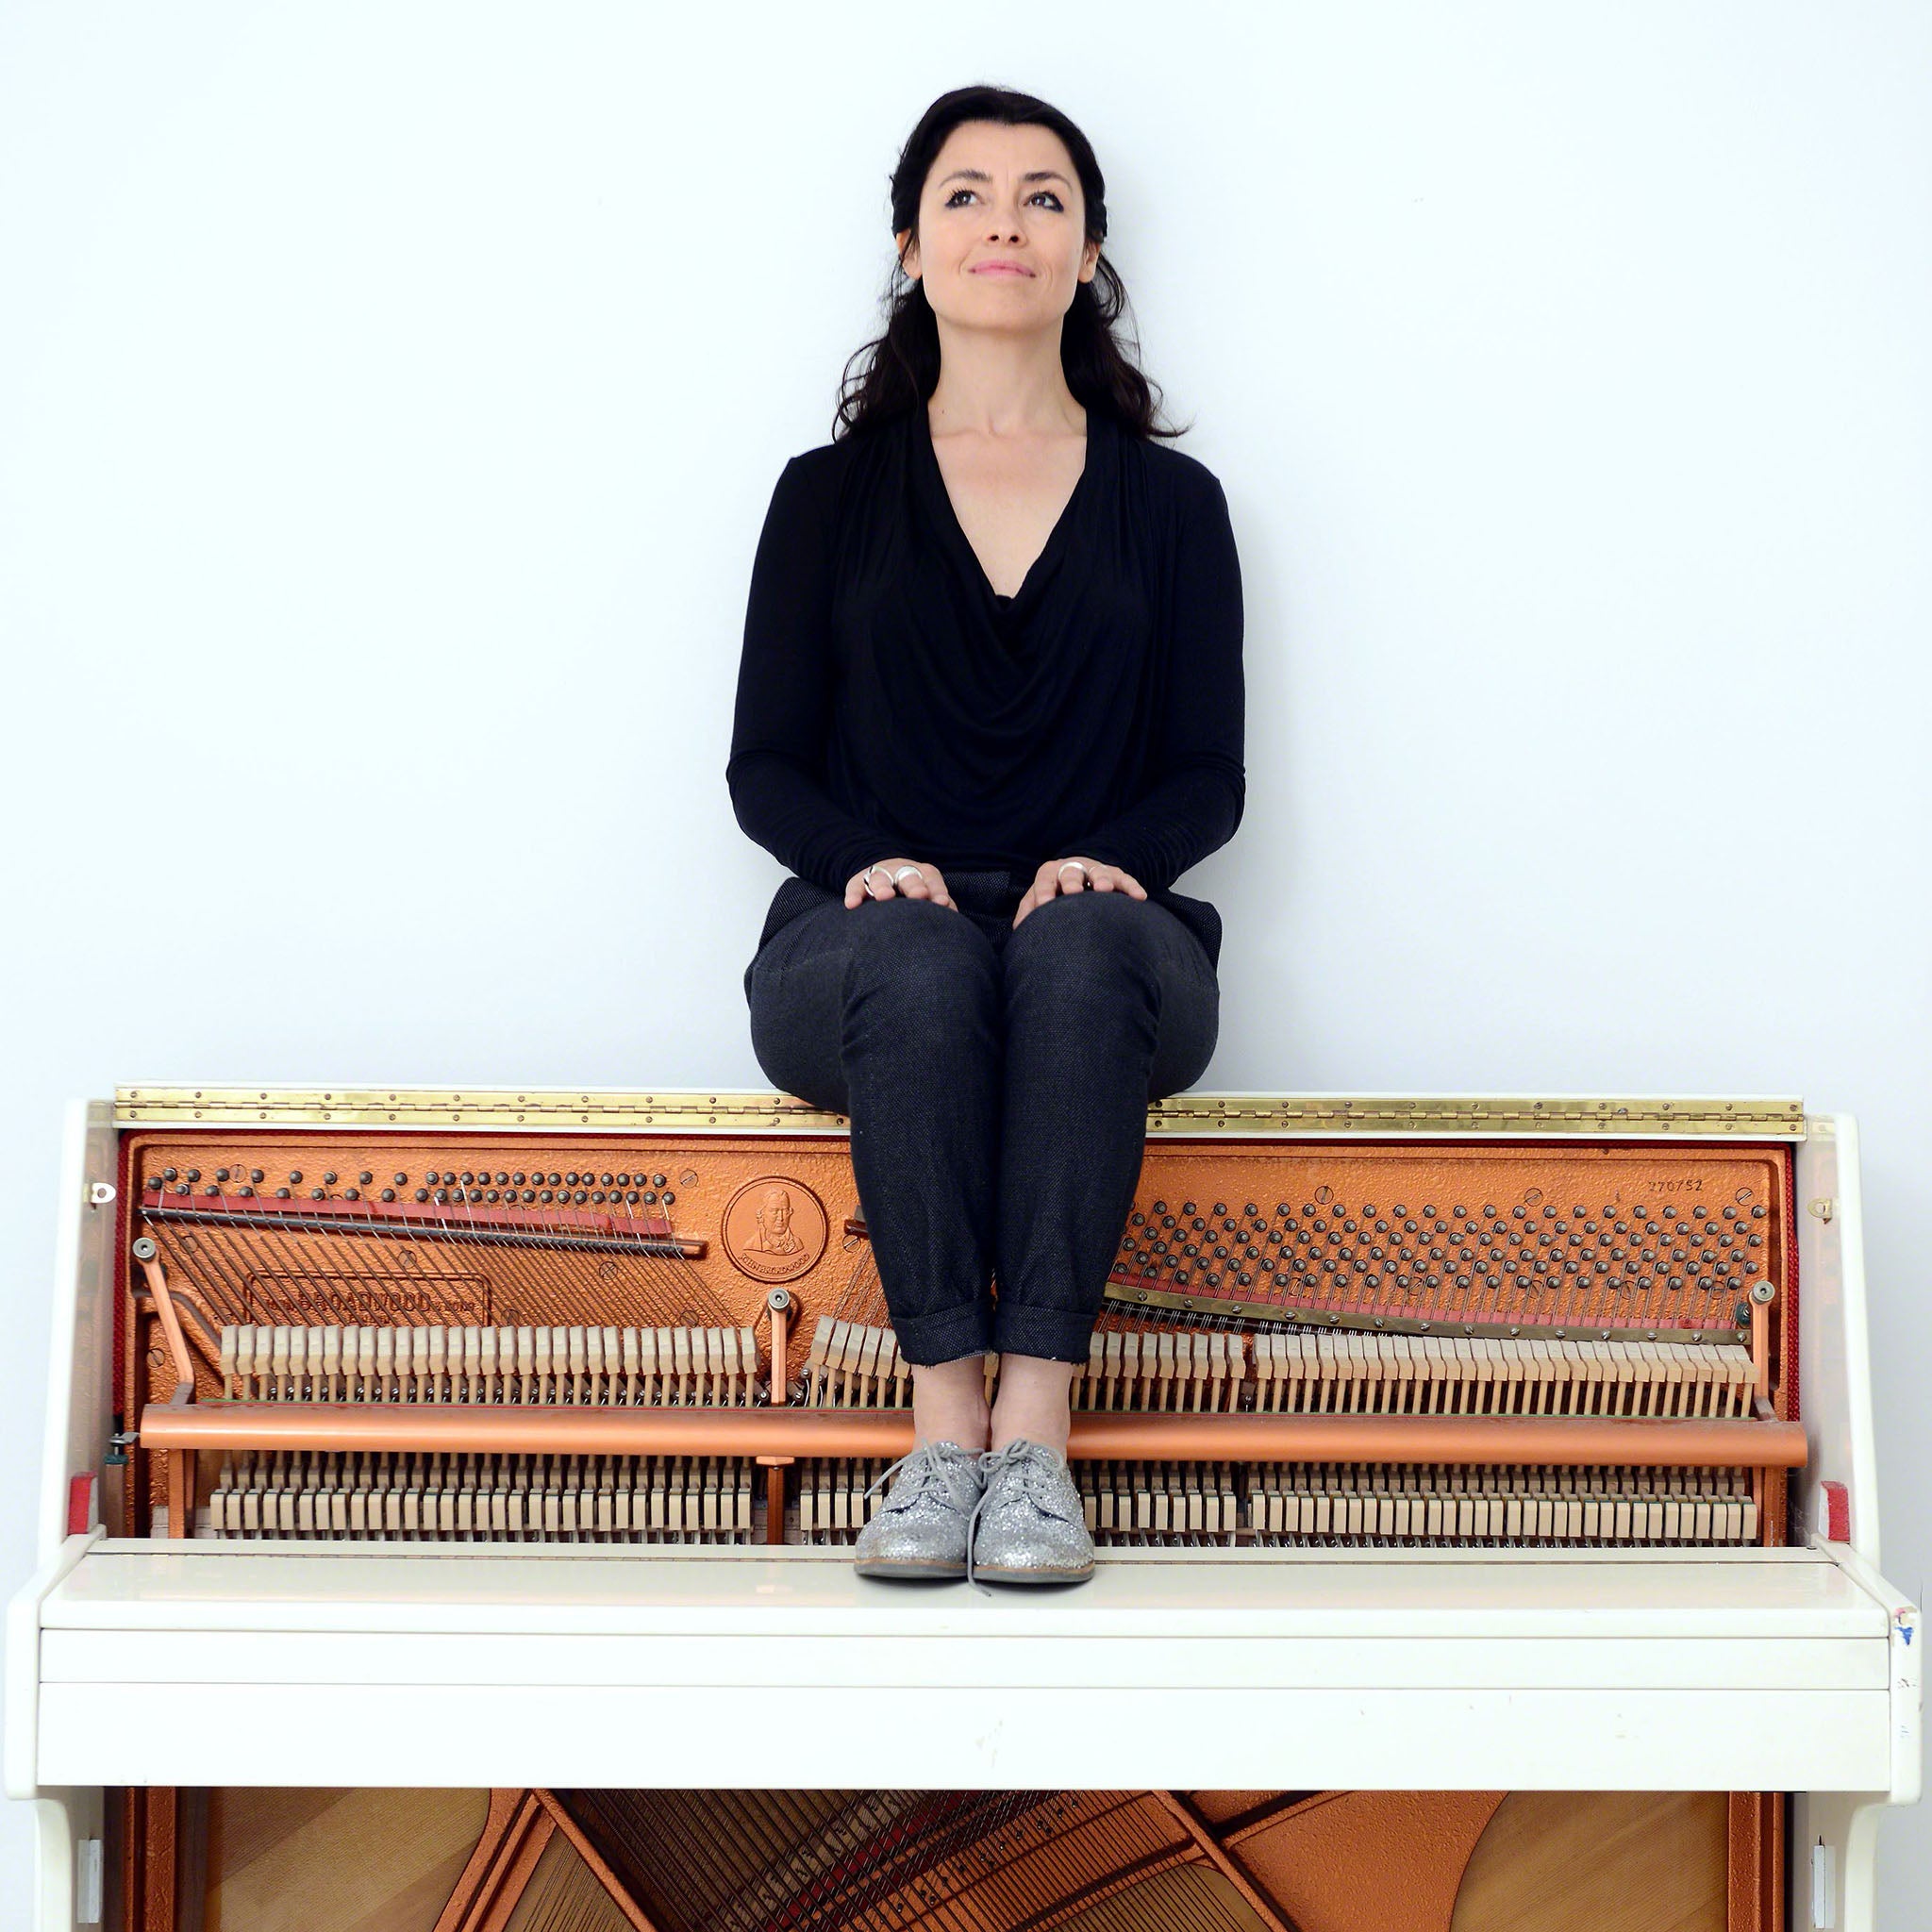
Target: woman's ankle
pixel 1048 1423
pixel 1033 1403
pixel 1043 1430
pixel 966 1432
pixel 949 1403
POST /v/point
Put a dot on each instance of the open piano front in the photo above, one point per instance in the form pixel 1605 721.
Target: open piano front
pixel 454 1491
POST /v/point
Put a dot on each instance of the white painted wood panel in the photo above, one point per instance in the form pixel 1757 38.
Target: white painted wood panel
pixel 974 1736
pixel 1128 1664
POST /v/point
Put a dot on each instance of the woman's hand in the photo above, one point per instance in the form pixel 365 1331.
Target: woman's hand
pixel 1077 876
pixel 877 882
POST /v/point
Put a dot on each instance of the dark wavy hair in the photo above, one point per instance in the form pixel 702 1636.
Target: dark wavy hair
pixel 901 368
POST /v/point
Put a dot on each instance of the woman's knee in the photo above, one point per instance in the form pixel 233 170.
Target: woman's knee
pixel 912 952
pixel 1088 938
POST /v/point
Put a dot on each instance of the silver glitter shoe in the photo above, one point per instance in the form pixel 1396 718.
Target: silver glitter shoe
pixel 1029 1526
pixel 925 1526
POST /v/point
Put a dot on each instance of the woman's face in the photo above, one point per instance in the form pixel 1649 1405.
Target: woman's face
pixel 1001 242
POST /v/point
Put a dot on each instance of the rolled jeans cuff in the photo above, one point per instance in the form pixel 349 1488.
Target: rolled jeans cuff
pixel 1058 1334
pixel 947 1336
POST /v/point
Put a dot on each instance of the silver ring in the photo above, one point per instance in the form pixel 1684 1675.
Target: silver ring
pixel 893 876
pixel 1081 863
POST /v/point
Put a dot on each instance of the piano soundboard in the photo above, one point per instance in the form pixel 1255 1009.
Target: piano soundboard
pixel 1450 1453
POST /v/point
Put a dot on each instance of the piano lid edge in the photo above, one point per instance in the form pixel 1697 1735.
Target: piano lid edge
pixel 695 1109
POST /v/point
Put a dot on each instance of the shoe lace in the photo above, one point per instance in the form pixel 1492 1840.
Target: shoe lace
pixel 921 1465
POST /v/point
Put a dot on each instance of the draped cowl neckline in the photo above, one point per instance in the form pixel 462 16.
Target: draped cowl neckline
pixel 1008 614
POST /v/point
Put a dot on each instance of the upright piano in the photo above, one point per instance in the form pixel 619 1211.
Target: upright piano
pixel 445 1515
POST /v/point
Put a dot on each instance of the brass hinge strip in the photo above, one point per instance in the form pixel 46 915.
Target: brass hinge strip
pixel 1189 1114
pixel 1387 1114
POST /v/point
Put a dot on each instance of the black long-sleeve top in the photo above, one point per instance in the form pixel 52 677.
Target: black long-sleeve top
pixel 889 702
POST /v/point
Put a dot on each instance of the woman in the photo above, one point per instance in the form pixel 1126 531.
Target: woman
pixel 989 707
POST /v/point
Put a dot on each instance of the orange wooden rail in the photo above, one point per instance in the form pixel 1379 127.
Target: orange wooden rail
pixel 455 1429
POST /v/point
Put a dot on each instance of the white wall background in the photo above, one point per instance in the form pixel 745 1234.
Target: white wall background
pixel 389 399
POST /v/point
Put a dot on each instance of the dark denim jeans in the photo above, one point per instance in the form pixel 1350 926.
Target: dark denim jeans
pixel 997 1083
